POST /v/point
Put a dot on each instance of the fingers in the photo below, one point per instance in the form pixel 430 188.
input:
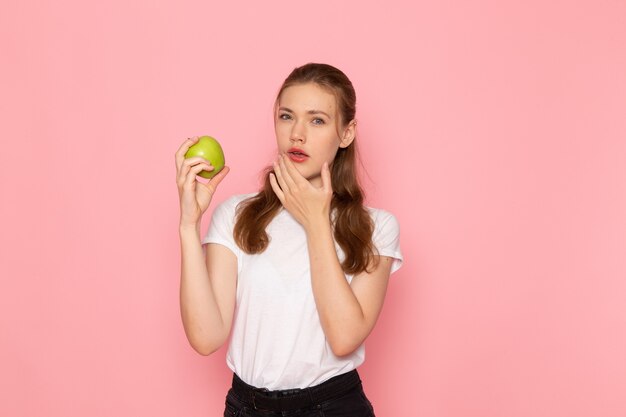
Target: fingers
pixel 190 177
pixel 276 188
pixel 198 163
pixel 326 180
pixel 215 181
pixel 282 175
pixel 187 164
pixel 179 156
pixel 290 172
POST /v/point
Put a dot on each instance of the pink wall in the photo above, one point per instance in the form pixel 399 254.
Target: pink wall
pixel 496 133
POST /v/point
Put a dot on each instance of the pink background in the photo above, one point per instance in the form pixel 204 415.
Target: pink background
pixel 495 132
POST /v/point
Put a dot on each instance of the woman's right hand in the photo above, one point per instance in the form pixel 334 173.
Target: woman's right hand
pixel 195 196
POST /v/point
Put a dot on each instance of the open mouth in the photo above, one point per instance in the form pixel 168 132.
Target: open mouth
pixel 297 152
pixel 298 156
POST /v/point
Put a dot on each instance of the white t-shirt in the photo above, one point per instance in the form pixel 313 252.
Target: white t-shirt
pixel 277 339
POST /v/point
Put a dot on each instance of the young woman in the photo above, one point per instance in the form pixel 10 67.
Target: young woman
pixel 299 269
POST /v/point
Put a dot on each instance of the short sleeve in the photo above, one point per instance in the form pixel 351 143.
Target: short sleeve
pixel 222 226
pixel 386 238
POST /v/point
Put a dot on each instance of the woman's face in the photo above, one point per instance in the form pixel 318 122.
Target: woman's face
pixel 306 117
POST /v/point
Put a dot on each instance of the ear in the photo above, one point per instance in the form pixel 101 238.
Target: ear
pixel 349 133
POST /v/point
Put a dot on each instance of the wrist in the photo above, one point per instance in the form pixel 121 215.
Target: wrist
pixel 317 223
pixel 189 227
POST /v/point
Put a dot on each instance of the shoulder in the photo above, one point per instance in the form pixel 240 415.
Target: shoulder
pixel 382 217
pixel 386 236
pixel 234 200
pixel 228 207
pixel 386 226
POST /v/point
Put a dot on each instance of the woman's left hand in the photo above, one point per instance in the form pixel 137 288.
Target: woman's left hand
pixel 307 203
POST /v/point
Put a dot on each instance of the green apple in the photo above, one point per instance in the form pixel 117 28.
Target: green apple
pixel 210 149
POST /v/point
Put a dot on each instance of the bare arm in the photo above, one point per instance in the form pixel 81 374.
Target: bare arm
pixel 207 283
pixel 207 291
pixel 348 312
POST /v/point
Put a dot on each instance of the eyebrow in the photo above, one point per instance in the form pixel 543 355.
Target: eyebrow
pixel 308 112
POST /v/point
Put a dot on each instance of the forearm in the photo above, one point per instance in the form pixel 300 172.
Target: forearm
pixel 339 310
pixel 201 316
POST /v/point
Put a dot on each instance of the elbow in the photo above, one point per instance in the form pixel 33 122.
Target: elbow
pixel 205 349
pixel 343 348
pixel 346 342
pixel 206 344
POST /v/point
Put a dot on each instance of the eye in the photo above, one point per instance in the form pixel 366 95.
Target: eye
pixel 284 116
pixel 318 121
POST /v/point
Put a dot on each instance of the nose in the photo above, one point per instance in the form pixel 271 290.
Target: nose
pixel 297 133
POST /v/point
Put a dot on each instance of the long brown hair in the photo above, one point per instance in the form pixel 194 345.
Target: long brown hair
pixel 352 225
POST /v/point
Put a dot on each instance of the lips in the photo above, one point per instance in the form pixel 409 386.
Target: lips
pixel 297 152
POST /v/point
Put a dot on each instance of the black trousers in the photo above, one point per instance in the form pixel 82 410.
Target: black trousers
pixel 341 395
